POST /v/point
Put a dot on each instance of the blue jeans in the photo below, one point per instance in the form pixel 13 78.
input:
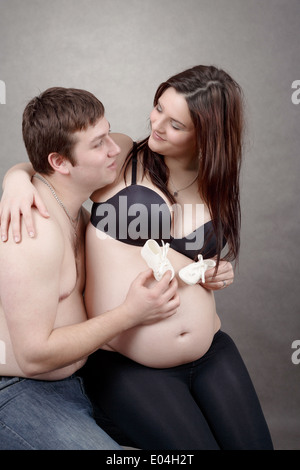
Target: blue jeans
pixel 48 415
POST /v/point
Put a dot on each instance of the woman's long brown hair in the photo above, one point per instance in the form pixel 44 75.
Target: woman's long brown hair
pixel 216 107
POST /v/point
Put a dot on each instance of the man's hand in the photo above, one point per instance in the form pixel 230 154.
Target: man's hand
pixel 150 304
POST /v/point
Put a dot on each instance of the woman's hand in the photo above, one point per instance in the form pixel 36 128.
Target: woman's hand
pixel 223 277
pixel 18 198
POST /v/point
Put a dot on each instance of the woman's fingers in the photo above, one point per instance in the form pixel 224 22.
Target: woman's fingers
pixel 222 278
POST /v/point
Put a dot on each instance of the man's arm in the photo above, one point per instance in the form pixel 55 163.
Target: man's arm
pixel 29 290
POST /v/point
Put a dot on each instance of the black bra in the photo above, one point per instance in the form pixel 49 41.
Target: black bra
pixel 137 213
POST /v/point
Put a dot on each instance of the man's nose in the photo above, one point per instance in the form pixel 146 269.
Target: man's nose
pixel 114 149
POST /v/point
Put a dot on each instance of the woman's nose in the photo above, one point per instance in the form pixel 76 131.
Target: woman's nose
pixel 159 125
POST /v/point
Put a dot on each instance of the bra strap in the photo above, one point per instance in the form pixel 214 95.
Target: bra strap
pixel 134 163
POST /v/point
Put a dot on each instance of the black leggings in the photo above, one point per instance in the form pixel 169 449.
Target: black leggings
pixel 206 404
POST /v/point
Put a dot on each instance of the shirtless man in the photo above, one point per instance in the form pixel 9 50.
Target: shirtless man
pixel 43 323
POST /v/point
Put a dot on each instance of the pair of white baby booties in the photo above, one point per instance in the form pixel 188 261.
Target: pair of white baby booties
pixel 156 258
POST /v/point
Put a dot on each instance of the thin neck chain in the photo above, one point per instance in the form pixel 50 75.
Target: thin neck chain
pixel 175 193
pixel 74 221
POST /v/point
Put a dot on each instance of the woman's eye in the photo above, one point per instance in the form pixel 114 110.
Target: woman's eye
pixel 175 126
pixel 158 108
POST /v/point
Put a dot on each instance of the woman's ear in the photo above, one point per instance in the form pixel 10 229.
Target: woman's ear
pixel 58 163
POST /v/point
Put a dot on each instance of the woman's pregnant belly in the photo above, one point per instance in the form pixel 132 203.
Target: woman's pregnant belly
pixel 111 266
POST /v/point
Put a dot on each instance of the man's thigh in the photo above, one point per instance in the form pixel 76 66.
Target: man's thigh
pixel 48 415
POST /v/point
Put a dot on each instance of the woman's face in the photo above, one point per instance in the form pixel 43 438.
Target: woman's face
pixel 172 129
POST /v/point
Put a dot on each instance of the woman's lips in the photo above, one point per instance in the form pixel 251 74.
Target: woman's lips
pixel 156 136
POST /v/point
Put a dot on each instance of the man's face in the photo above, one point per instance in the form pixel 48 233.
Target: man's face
pixel 95 156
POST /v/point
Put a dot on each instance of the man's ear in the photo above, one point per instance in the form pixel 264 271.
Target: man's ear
pixel 58 163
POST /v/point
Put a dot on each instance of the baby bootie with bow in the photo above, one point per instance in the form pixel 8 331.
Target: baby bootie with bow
pixel 192 273
pixel 156 258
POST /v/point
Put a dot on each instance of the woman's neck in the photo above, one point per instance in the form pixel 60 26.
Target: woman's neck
pixel 178 166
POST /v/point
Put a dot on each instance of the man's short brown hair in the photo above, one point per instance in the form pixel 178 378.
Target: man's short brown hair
pixel 51 119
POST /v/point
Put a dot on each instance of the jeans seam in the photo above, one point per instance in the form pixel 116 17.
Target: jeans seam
pixel 11 384
pixel 21 439
pixel 82 387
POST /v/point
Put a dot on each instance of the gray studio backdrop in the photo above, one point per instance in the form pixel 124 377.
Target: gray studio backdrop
pixel 121 51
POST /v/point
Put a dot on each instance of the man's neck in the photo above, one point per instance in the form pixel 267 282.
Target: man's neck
pixel 65 192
